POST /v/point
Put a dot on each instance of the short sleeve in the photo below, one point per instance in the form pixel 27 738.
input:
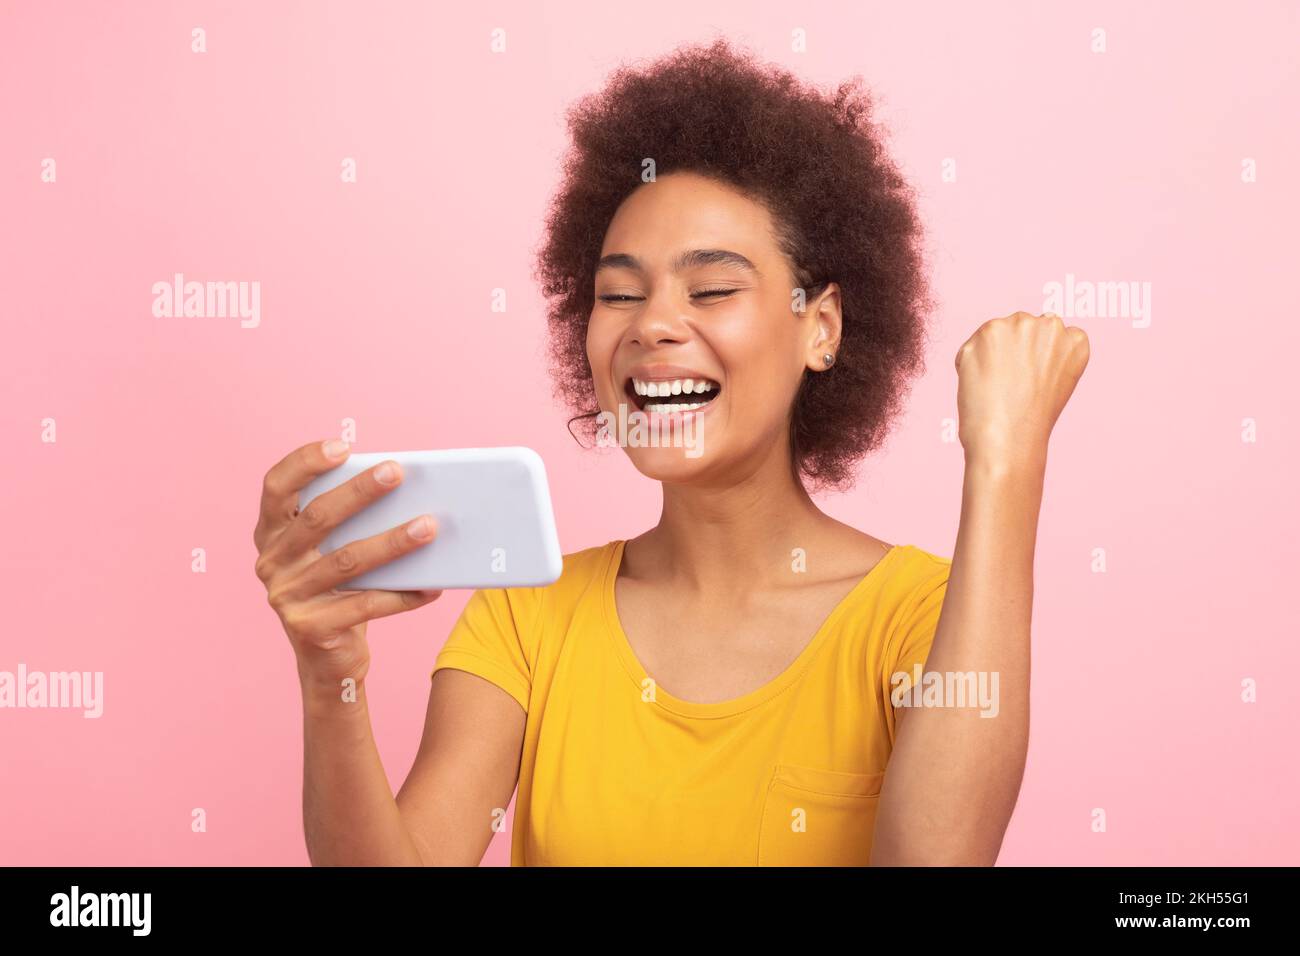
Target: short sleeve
pixel 489 639
pixel 910 645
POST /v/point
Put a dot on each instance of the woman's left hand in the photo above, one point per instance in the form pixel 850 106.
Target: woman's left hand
pixel 1014 376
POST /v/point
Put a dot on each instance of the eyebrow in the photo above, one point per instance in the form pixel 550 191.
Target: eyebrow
pixel 691 259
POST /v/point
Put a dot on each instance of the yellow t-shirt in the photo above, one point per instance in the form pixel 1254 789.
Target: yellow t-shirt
pixel 617 772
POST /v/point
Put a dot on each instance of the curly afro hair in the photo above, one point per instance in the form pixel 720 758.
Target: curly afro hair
pixel 843 214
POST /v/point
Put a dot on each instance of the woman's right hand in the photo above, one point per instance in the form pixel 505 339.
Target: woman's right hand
pixel 327 628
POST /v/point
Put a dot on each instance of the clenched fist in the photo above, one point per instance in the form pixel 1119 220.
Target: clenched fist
pixel 1014 376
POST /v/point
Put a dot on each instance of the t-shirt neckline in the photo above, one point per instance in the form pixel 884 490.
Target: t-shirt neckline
pixel 726 708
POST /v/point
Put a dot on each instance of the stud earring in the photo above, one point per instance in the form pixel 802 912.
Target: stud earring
pixel 828 359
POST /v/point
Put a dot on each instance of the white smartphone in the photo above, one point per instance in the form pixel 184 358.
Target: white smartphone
pixel 493 508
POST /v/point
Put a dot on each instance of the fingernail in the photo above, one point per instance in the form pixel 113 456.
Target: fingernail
pixel 386 474
pixel 335 448
pixel 420 529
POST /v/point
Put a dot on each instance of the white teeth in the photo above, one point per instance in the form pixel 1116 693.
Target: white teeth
pixel 687 386
pixel 667 408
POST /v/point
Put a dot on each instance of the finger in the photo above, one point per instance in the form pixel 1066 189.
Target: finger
pixel 287 477
pixel 356 558
pixel 368 605
pixel 961 353
pixel 1082 347
pixel 327 511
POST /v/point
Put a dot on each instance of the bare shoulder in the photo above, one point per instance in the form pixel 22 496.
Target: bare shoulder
pixel 858 551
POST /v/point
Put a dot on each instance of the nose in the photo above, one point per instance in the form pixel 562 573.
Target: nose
pixel 659 323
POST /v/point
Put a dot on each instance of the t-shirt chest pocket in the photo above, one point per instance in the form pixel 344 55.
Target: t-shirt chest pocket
pixel 817 817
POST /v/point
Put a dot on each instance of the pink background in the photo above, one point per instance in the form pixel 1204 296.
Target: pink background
pixel 376 306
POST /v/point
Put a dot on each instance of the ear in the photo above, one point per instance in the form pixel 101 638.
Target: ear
pixel 824 322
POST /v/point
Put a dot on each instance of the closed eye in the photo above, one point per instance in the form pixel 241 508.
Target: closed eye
pixel 703 293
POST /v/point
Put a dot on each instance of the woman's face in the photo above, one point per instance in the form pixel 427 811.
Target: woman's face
pixel 694 307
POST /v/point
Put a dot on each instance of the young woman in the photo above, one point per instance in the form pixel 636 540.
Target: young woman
pixel 723 688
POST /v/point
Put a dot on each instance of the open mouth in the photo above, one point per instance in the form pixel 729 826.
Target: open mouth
pixel 664 396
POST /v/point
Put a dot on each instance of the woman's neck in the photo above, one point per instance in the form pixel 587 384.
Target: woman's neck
pixel 732 538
